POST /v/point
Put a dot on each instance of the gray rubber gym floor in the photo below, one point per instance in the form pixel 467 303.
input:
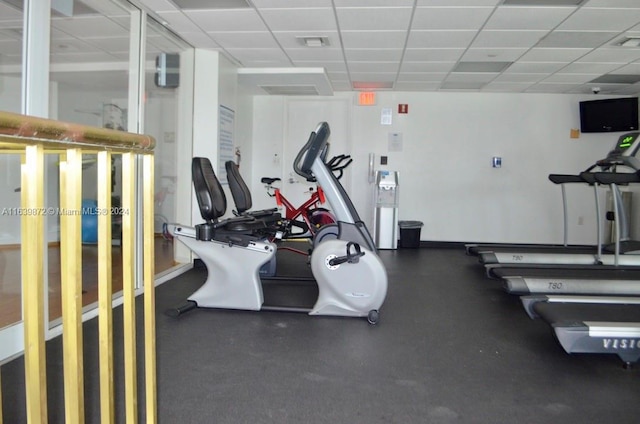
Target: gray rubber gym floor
pixel 451 346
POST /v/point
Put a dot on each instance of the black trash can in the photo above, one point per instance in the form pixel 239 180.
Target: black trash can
pixel 410 234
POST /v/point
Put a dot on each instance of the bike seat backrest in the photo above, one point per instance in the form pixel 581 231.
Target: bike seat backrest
pixel 239 190
pixel 269 181
pixel 209 192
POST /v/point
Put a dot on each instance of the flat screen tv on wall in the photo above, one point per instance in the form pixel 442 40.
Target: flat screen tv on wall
pixel 608 115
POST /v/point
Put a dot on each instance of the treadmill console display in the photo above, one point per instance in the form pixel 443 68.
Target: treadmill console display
pixel 627 145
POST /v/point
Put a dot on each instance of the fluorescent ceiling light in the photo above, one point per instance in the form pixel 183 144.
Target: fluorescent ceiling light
pixel 481 66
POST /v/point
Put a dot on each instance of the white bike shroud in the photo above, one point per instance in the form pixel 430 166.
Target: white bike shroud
pixel 351 278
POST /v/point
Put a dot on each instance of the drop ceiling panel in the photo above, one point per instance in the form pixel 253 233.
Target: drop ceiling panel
pixel 330 67
pixel 317 19
pixel 612 55
pixel 438 55
pixel 472 76
pixel 506 87
pixel 373 67
pixel 417 86
pixel 322 54
pixel 432 18
pixel 528 18
pixel 633 68
pixel 8 13
pixel 497 55
pixel 519 78
pixel 160 5
pixel 415 67
pixel 372 3
pixel 591 68
pixel 374 19
pixel 382 39
pixel 577 39
pixel 570 78
pixel 457 3
pixel 601 20
pixel 247 56
pixel 553 55
pixel 226 20
pixel 508 38
pixel 422 76
pixel 373 76
pixel 373 55
pixel 440 39
pixel 256 39
pixel 200 39
pixel 288 4
pixel 535 67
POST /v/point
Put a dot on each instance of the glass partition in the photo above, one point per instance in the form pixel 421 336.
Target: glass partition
pixel 162 87
pixel 10 100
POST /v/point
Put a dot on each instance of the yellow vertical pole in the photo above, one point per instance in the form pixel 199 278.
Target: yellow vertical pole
pixel 71 281
pixel 128 286
pixel 32 227
pixel 149 289
pixel 105 289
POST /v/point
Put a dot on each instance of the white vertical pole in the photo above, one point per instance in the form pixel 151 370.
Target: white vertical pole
pixel 35 60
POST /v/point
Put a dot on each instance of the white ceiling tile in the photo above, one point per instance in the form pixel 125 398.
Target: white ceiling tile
pixel 227 20
pixel 159 5
pixel 257 54
pixel 455 3
pixel 260 40
pixel 330 66
pixel 570 78
pixel 471 18
pixel 373 76
pixel 341 85
pixel 422 76
pixel 553 55
pixel 471 76
pixel 612 55
pixel 438 55
pixel 373 66
pixel 508 38
pixel 373 55
pixel 612 3
pixel 82 57
pixel 110 44
pixel 506 87
pixel 551 88
pixel 417 86
pixel 288 4
pixel 531 18
pixel 317 19
pixel 601 20
pixel 534 67
pixel 374 19
pixel 440 39
pixel 382 39
pixel 630 69
pixel 497 55
pixel 372 3
pixel 317 54
pixel 520 78
pixel 591 68
pixel 410 67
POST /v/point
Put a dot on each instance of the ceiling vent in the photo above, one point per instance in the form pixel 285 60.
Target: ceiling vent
pixel 311 41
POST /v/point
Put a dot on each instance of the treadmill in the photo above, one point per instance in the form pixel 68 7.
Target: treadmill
pixel 591 324
pixel 623 154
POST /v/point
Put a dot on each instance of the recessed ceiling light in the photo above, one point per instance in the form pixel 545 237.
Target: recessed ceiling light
pixel 628 42
pixel 310 41
pixel 481 66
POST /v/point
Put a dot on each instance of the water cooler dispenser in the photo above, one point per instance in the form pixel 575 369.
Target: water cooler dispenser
pixel 386 210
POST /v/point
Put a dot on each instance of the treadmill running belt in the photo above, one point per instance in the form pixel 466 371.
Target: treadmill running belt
pixel 581 312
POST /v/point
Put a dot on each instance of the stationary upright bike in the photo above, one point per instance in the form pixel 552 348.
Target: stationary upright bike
pixel 351 279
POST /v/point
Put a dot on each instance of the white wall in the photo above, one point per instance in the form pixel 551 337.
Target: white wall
pixel 446 177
